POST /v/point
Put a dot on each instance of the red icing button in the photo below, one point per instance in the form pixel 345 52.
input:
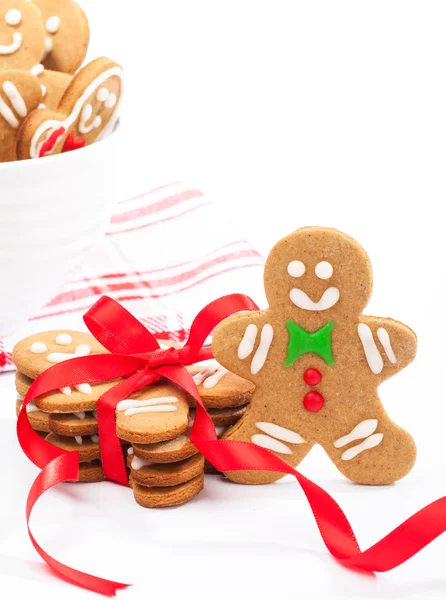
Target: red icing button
pixel 313 401
pixel 312 377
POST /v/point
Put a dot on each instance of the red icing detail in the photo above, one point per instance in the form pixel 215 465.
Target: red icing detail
pixel 72 143
pixel 312 377
pixel 314 401
pixel 49 144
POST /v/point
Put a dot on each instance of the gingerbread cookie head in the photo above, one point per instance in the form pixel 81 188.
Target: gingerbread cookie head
pixel 67 34
pixel 87 112
pixel 22 35
pixel 20 94
pixel 318 274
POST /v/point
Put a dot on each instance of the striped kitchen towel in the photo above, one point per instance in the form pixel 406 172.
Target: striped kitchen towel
pixel 166 254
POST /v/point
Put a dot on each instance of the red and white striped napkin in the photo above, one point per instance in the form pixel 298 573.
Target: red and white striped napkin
pixel 166 254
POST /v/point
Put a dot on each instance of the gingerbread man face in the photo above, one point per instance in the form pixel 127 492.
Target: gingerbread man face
pixel 22 34
pixel 315 278
pixel 317 362
pixel 67 34
pixel 87 112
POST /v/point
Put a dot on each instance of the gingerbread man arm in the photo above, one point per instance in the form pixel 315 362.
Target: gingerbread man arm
pixel 389 345
pixel 242 342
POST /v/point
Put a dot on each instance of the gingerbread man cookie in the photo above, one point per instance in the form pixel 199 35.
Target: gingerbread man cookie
pixel 22 35
pixel 86 113
pixel 317 362
pixel 53 85
pixel 67 34
pixel 20 94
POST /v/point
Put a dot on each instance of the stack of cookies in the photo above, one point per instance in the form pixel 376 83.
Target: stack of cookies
pixel 47 106
pixel 154 423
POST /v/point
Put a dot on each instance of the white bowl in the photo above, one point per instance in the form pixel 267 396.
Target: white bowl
pixel 53 211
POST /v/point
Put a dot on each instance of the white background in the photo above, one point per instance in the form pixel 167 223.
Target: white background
pixel 288 114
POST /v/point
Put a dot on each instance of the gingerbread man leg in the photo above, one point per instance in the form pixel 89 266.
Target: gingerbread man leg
pixel 286 443
pixel 374 452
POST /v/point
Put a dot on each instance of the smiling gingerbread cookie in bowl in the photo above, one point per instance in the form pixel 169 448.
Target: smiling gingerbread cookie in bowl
pixel 317 362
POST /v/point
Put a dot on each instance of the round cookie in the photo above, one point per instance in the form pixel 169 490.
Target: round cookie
pixel 75 424
pixel 91 472
pixel 87 112
pixel 38 420
pixel 159 497
pixel 37 353
pixel 67 34
pixel 88 447
pixel 20 94
pixel 174 450
pixel 218 387
pixel 67 400
pixel 53 85
pixel 161 475
pixel 22 34
pixel 156 413
pixel 224 417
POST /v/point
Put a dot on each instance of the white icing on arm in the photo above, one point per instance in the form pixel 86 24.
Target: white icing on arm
pixel 372 354
pixel 18 104
pixel 266 337
pixel 367 444
pixel 246 346
pixel 361 431
pixel 384 338
pixel 264 441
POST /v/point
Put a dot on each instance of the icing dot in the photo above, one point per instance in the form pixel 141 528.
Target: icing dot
pixel 111 101
pixel 38 348
pixel 296 268
pixel 13 17
pixel 324 270
pixel 102 94
pixel 53 24
pixel 64 339
pixel 314 401
pixel 312 377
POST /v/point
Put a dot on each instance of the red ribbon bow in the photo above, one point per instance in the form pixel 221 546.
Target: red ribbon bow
pixel 135 355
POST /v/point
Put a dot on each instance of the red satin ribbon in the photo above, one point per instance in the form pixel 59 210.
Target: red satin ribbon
pixel 137 357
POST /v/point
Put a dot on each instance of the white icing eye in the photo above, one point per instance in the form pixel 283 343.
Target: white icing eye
pixel 111 101
pixel 102 94
pixel 296 268
pixel 13 17
pixel 52 24
pixel 324 270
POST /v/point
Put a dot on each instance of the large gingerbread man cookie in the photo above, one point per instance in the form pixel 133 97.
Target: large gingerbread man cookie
pixel 317 362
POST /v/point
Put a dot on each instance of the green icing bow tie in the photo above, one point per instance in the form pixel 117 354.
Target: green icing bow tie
pixel 303 342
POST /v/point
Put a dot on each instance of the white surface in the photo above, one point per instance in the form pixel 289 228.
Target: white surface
pixel 291 113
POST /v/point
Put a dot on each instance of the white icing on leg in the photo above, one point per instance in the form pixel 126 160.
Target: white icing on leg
pixel 370 442
pixel 286 435
pixel 266 337
pixel 384 338
pixel 133 407
pixel 372 354
pixel 246 346
pixel 361 431
pixel 205 372
pixel 17 102
pixel 264 441
pixel 212 381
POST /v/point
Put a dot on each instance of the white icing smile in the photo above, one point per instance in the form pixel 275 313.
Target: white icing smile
pixel 328 299
pixel 16 43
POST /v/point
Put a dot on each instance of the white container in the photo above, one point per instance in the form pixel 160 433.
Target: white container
pixel 53 211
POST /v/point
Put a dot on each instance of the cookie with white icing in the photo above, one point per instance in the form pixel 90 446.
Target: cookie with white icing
pixel 218 387
pixel 53 85
pixel 153 474
pixel 317 361
pixel 38 420
pixel 74 424
pixel 153 414
pixel 22 34
pixel 37 353
pixel 20 94
pixel 67 34
pixel 88 447
pixel 87 112
pixel 159 497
